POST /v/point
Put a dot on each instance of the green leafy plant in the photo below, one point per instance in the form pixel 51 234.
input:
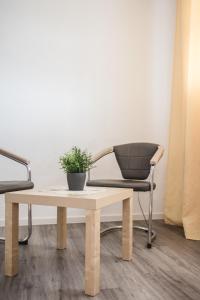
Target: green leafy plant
pixel 76 161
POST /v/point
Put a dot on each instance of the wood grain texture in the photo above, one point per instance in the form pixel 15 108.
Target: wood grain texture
pixel 11 238
pixel 92 253
pixel 93 198
pixel 168 271
pixel 127 229
pixel 61 227
pixel 62 198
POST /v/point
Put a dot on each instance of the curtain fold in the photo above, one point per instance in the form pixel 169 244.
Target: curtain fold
pixel 182 202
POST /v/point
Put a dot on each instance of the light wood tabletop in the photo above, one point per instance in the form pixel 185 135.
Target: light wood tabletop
pixel 92 200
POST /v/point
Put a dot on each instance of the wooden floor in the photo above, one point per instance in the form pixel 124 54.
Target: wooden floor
pixel 169 271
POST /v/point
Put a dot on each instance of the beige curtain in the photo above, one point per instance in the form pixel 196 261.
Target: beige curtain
pixel 182 205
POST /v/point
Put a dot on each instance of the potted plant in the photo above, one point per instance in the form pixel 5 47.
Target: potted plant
pixel 75 163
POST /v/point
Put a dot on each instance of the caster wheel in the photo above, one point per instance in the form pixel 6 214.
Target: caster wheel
pixel 23 242
pixel 149 245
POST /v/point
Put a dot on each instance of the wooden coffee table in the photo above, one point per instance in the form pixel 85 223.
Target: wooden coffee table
pixel 92 199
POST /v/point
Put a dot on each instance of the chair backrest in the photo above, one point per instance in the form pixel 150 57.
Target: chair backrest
pixel 134 159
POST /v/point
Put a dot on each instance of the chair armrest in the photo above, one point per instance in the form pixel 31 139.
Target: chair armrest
pixel 102 154
pixel 157 156
pixel 14 157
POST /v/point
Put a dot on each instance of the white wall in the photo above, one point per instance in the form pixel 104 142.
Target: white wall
pixel 91 73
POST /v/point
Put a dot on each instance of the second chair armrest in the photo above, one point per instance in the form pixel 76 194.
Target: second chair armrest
pixel 157 156
pixel 14 157
pixel 102 154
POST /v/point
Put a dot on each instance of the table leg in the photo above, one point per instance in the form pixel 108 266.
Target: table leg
pixel 92 253
pixel 11 238
pixel 61 227
pixel 127 229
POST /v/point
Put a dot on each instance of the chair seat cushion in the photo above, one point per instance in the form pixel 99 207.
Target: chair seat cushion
pixel 11 186
pixel 136 185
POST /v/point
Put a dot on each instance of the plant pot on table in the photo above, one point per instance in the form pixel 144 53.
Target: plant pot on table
pixel 76 181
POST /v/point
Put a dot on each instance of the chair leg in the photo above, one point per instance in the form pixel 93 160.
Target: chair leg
pixel 119 227
pixel 149 239
pixel 151 234
pixel 145 229
pixel 24 241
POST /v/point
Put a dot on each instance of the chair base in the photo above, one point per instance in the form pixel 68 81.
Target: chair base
pixel 21 242
pixel 24 241
pixel 149 245
pixel 119 227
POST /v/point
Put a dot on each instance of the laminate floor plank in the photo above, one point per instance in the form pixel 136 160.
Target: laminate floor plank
pixel 168 271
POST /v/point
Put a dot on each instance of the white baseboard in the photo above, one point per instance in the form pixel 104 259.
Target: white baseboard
pixel 81 219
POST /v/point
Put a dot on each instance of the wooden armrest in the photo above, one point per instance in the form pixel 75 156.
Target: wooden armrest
pixel 101 154
pixel 157 156
pixel 13 156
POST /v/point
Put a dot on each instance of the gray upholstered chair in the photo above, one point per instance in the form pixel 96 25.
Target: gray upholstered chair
pixel 137 162
pixel 10 186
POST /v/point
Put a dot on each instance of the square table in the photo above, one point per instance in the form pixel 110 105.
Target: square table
pixel 92 200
